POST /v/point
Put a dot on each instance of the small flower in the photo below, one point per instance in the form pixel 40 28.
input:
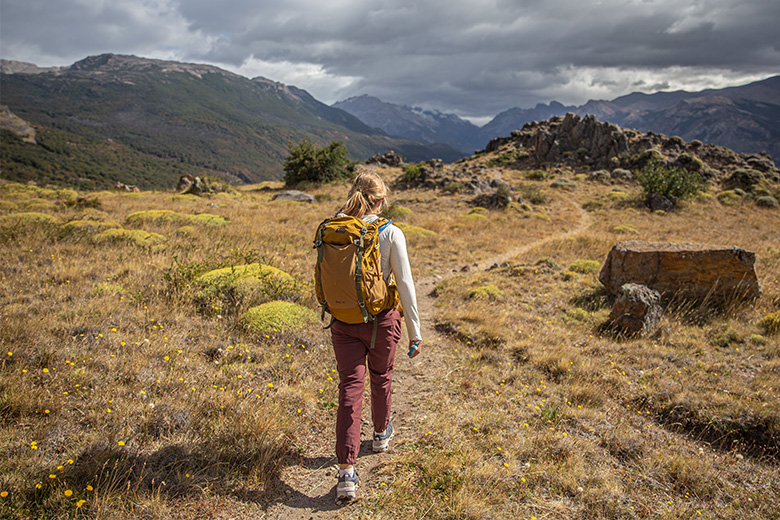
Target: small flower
pixel 90 488
pixel 80 503
pixel 3 494
pixel 52 476
pixel 45 370
pixel 121 443
pixel 68 492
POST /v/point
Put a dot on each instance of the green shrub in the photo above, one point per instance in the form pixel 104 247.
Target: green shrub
pixel 411 172
pixel 137 237
pixel 160 216
pixel 744 178
pixel 505 159
pixel 771 323
pixel 766 201
pixel 27 219
pixel 585 266
pixel 601 176
pixel 84 227
pixel 658 179
pixel 593 205
pixel 232 289
pixel 308 163
pixel 486 292
pixel 629 229
pixel 533 194
pixel 414 233
pixel 730 198
pixel 538 175
pixel 564 184
pixel 278 317
pixel 396 212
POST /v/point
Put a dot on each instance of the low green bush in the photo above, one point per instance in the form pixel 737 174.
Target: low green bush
pixel 659 179
pixel 585 266
pixel 278 317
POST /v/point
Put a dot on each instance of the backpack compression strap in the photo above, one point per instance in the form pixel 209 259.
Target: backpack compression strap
pixel 361 245
pixel 318 245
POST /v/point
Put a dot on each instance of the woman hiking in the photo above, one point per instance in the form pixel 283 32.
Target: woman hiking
pixel 372 340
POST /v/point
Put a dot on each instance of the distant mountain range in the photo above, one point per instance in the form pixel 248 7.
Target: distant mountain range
pixel 139 121
pixel 745 119
pixel 121 118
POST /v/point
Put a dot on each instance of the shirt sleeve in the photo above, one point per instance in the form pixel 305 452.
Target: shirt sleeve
pixel 397 259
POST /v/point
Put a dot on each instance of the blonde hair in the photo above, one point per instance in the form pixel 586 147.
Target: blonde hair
pixel 367 189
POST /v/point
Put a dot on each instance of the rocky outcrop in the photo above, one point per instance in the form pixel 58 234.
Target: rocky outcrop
pixel 637 310
pixel 585 141
pixel 293 195
pixel 128 188
pixel 190 184
pixel 697 273
pixel 390 158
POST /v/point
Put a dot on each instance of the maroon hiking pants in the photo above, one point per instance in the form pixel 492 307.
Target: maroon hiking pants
pixel 351 344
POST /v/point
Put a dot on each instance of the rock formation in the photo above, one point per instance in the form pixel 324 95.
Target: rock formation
pixel 293 195
pixel 637 310
pixel 696 273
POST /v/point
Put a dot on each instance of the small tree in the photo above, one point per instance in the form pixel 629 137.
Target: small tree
pixel 658 179
pixel 308 163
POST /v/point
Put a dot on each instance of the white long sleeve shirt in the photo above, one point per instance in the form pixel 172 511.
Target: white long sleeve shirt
pixel 395 261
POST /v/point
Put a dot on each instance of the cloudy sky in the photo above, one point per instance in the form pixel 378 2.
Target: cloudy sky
pixel 474 58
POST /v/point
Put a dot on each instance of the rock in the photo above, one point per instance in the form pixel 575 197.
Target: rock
pixel 662 202
pixel 622 175
pixel 388 159
pixel 293 195
pixel 498 199
pixel 699 273
pixel 129 188
pixel 190 184
pixel 637 310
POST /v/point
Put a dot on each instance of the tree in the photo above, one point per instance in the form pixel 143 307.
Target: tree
pixel 308 163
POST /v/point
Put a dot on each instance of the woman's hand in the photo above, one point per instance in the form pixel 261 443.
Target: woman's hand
pixel 414 348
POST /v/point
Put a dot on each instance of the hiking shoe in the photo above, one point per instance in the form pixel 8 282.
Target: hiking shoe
pixel 382 440
pixel 347 487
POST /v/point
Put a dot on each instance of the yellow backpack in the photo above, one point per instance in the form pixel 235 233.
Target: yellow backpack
pixel 348 274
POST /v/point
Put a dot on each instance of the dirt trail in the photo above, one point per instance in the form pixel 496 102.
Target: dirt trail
pixel 311 487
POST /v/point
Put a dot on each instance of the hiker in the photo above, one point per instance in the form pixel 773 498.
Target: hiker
pixel 369 339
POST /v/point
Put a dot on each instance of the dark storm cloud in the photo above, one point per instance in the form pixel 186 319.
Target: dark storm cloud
pixel 473 57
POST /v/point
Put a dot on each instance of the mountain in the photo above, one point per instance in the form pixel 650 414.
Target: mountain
pixel 745 118
pixel 112 118
pixel 417 124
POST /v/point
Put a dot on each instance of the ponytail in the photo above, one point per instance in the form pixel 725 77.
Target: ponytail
pixel 366 190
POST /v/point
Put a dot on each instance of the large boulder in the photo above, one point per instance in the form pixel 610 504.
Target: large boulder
pixel 637 310
pixel 698 273
pixel 294 195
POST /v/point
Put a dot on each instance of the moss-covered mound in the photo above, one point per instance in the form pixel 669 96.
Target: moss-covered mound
pixel 414 233
pixel 771 323
pixel 87 227
pixel 166 216
pixel 232 289
pixel 27 219
pixel 585 266
pixel 137 237
pixel 278 317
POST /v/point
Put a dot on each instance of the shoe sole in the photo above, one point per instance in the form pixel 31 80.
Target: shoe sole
pixel 346 492
pixel 383 445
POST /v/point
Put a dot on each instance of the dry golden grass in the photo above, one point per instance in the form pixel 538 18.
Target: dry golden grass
pixel 120 397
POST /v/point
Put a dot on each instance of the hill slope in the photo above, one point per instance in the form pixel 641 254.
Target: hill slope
pixel 115 118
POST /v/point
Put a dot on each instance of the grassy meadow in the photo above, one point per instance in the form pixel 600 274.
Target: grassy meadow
pixel 136 382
